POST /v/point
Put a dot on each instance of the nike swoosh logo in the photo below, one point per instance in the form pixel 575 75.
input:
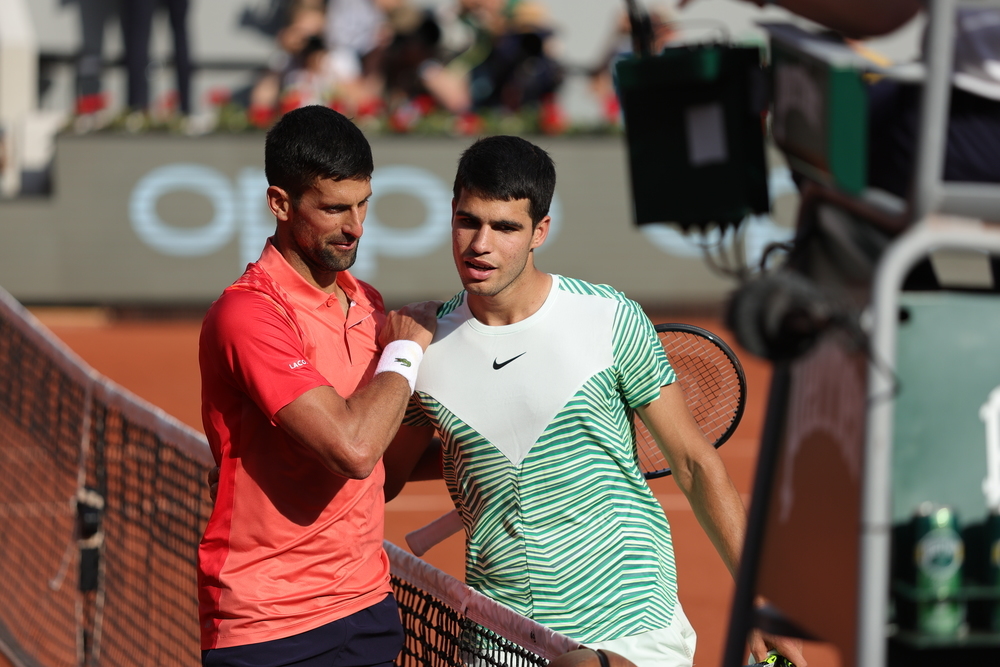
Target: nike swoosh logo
pixel 497 366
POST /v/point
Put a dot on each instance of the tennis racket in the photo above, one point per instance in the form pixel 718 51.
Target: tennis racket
pixel 715 390
pixel 714 385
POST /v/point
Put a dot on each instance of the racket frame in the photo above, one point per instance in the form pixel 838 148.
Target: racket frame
pixel 740 374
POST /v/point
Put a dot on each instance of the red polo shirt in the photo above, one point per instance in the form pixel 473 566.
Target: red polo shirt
pixel 290 545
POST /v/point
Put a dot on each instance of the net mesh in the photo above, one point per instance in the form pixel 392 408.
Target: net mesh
pixel 448 623
pixel 74 445
pixel 713 385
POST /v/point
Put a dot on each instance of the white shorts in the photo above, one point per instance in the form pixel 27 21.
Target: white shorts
pixel 672 646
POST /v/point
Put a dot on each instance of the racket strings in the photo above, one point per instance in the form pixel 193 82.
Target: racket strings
pixel 712 390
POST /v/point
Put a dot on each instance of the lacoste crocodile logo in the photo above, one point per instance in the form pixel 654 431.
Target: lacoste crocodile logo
pixel 497 366
pixel 405 362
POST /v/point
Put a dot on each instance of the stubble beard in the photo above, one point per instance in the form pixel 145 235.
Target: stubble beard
pixel 331 260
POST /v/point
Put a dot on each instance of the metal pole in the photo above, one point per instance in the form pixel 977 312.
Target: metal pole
pixel 935 99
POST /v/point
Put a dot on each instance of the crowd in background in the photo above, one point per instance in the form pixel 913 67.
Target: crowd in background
pixel 393 60
pixel 366 57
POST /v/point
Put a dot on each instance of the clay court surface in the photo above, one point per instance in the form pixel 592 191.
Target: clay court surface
pixel 157 360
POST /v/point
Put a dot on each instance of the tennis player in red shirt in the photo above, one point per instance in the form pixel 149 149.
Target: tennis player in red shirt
pixel 304 383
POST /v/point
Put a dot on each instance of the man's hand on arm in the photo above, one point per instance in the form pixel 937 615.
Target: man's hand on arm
pixel 701 475
pixel 416 322
pixel 350 435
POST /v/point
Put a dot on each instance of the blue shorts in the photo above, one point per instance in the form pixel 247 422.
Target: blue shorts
pixel 371 637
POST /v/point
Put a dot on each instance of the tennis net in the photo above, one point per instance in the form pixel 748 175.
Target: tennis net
pixel 103 501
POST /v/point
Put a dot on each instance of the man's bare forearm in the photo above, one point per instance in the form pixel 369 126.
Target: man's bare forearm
pixel 349 436
pixel 717 506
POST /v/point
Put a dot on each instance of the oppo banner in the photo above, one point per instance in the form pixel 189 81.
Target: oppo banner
pixel 237 214
pixel 164 219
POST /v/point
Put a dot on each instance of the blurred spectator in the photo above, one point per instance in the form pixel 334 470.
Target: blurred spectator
pixel 416 38
pixel 94 16
pixel 521 67
pixel 502 55
pixel 303 21
pixel 469 28
pixel 330 78
pixel 137 23
pixel 312 70
pixel 390 38
pixel 619 46
pixel 358 26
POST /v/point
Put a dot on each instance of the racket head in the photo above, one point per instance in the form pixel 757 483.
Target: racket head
pixel 714 386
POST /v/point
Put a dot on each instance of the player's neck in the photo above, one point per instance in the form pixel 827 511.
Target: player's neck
pixel 518 301
pixel 321 279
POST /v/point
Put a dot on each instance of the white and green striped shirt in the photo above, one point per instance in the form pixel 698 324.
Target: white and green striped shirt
pixel 539 457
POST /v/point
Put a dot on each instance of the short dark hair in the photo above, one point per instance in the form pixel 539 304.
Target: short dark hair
pixel 507 168
pixel 311 143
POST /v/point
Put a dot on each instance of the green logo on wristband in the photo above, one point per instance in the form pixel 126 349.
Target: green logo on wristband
pixel 405 362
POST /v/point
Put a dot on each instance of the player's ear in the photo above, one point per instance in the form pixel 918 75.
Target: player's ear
pixel 279 202
pixel 540 232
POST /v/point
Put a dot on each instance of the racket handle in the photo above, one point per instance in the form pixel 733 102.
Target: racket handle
pixel 774 659
pixel 437 531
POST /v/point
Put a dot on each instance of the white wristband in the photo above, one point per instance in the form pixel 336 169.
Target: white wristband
pixel 403 357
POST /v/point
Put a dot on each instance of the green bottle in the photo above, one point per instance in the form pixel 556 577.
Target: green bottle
pixel 938 555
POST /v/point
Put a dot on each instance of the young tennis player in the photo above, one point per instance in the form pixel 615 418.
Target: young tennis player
pixel 531 381
pixel 299 401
